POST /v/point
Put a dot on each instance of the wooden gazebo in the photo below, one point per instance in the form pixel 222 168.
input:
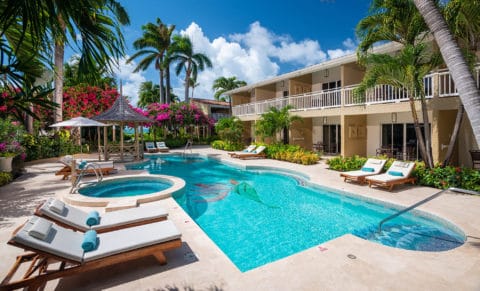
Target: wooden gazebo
pixel 121 114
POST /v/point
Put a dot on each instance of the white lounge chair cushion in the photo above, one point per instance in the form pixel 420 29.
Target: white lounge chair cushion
pixel 77 218
pixel 375 164
pixel 127 239
pixel 161 145
pixel 56 206
pixel 405 168
pixel 40 228
pixel 130 215
pixel 62 242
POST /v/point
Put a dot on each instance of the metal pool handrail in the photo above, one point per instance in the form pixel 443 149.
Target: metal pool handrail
pixel 453 189
pixel 96 169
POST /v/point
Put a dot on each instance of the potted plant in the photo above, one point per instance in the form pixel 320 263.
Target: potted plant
pixel 12 153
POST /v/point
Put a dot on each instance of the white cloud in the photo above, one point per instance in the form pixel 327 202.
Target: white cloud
pixel 251 56
pixel 130 81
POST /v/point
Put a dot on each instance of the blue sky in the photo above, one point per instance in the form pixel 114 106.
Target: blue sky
pixel 252 40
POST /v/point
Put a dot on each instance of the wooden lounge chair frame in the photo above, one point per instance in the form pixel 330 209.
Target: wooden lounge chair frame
pixel 249 156
pixel 162 149
pixel 359 179
pixel 389 184
pixel 40 262
pixel 101 230
pixel 152 148
pixel 67 171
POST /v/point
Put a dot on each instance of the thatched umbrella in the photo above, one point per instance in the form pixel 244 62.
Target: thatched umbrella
pixel 121 113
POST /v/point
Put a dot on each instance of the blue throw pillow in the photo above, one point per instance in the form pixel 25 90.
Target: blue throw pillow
pixel 82 165
pixel 367 169
pixel 93 218
pixel 395 173
pixel 89 240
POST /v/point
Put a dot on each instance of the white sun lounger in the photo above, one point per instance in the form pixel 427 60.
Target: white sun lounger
pixel 398 173
pixel 51 243
pixel 74 218
pixel 371 167
pixel 162 147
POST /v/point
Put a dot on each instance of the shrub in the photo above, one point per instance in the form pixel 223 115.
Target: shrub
pixel 291 153
pixel 226 146
pixel 5 178
pixel 340 163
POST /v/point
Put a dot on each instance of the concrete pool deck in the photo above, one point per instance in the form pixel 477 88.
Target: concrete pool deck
pixel 201 265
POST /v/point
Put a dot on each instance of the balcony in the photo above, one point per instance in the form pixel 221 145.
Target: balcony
pixel 346 96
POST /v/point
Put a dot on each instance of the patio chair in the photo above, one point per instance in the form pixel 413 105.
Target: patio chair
pixel 150 147
pixel 71 217
pixel 162 147
pixel 106 167
pixel 49 244
pixel 256 154
pixel 248 149
pixel 371 167
pixel 398 173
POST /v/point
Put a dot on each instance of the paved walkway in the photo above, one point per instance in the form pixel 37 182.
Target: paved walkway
pixel 201 265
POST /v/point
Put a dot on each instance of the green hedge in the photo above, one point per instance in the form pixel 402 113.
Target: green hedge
pixel 5 178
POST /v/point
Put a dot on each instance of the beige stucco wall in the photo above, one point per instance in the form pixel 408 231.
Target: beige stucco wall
pixel 301 133
pixel 238 99
pixel 354 135
pixel 262 94
pixel 280 87
pixel 297 87
pixel 318 78
pixel 317 129
pixel 443 122
pixel 466 142
pixel 352 74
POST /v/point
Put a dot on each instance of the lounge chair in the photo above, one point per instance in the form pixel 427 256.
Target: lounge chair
pixel 150 147
pixel 258 153
pixel 371 167
pixel 162 147
pixel 106 167
pixel 248 149
pixel 76 219
pixel 398 173
pixel 49 243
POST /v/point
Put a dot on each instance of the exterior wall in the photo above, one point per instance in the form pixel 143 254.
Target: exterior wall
pixel 297 87
pixel 442 126
pixel 351 74
pixel 280 87
pixel 248 135
pixel 317 129
pixel 262 94
pixel 466 142
pixel 301 133
pixel 354 135
pixel 238 99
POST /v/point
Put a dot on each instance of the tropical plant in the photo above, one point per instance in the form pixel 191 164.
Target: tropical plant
pixel 223 84
pixel 193 84
pixel 463 21
pixel 230 129
pixel 71 77
pixel 153 46
pixel 187 60
pixel 147 94
pixel 273 122
pixel 59 22
pixel 400 22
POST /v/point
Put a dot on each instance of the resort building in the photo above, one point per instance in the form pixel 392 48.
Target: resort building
pixel 213 108
pixel 336 122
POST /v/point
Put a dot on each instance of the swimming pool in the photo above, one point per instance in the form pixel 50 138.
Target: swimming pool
pixel 125 187
pixel 257 216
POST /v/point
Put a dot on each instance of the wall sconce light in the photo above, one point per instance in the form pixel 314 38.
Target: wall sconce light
pixel 394 117
pixel 326 73
pixel 325 120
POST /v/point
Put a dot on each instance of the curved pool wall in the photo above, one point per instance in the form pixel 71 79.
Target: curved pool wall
pixel 177 186
pixel 114 188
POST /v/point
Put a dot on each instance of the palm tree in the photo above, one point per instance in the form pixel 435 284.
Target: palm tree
pixel 187 60
pixel 147 93
pixel 464 81
pixel 275 121
pixel 400 22
pixel 153 46
pixel 193 84
pixel 72 78
pixel 223 84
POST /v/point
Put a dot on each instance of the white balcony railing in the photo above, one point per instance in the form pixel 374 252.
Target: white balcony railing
pixel 347 96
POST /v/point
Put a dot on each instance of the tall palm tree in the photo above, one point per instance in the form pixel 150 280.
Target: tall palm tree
pixel 275 121
pixel 153 46
pixel 456 63
pixel 223 84
pixel 188 60
pixel 399 21
pixel 147 94
pixel 193 84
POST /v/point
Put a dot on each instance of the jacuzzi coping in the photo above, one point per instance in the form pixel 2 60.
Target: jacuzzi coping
pixel 78 199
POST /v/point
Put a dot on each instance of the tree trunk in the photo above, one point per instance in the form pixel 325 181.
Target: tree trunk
pixel 188 72
pixel 58 93
pixel 418 131
pixel 59 55
pixel 427 133
pixel 453 138
pixel 162 100
pixel 464 81
pixel 167 80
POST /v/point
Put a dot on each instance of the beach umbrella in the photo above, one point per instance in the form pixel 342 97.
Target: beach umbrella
pixel 80 122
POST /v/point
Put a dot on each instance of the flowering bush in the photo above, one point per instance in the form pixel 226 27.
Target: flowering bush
pixel 177 115
pixel 11 133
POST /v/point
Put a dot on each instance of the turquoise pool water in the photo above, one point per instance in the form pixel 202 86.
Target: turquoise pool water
pixel 125 187
pixel 281 216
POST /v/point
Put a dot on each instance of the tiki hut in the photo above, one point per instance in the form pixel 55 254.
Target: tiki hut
pixel 122 114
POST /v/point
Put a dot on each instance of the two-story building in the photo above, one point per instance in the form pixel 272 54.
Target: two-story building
pixel 337 122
